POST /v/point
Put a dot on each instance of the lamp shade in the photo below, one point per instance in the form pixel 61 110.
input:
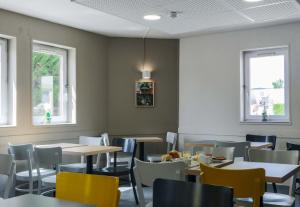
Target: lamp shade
pixel 146 74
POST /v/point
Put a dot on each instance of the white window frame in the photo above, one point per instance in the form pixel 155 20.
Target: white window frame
pixel 4 82
pixel 245 82
pixel 66 112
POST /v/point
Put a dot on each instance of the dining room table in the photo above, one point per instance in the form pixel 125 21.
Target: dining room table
pixel 275 172
pixel 194 169
pixel 89 151
pixel 32 200
pixel 61 145
pixel 212 143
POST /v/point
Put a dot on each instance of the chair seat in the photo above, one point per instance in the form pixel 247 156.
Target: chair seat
pixel 118 171
pixel 24 175
pixel 154 158
pixel 121 159
pixel 270 200
pixel 49 181
pixel 75 167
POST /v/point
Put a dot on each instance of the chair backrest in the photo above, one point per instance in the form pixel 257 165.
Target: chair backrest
pixel 21 152
pixel 262 138
pixel 240 148
pixel 128 146
pixel 173 193
pixel 48 157
pixel 146 172
pixel 292 146
pixel 7 167
pixel 85 140
pixel 245 183
pixel 98 190
pixel 226 152
pixel 105 140
pixel 277 156
pixel 171 141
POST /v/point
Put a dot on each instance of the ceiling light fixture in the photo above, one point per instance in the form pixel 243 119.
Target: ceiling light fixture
pixel 152 17
pixel 252 1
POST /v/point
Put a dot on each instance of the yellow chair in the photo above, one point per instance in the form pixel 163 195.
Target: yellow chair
pixel 98 190
pixel 245 183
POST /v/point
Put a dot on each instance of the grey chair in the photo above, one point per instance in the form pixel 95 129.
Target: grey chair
pixel 145 173
pixel 105 140
pixel 240 148
pixel 48 158
pixel 284 157
pixel 171 140
pixel 81 167
pixel 24 153
pixel 7 170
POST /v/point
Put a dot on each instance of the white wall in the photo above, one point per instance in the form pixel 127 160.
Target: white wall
pixel 91 80
pixel 209 82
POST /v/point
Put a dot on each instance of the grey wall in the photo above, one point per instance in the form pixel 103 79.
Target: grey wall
pixel 91 79
pixel 107 69
pixel 210 83
pixel 125 59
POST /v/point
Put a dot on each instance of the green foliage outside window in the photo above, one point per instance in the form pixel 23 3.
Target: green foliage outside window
pixel 278 109
pixel 45 65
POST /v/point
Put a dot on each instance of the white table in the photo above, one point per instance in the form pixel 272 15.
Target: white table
pixel 212 143
pixel 30 200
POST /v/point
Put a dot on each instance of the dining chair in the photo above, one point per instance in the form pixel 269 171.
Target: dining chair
pixel 261 138
pixel 81 167
pixel 292 146
pixel 24 153
pixel 88 189
pixel 146 172
pixel 278 156
pixel 171 140
pixel 128 146
pixel 173 193
pixel 7 170
pixel 48 158
pixel 245 183
pixel 105 140
pixel 240 148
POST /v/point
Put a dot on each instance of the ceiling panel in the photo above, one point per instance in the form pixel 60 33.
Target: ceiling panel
pixel 272 12
pixel 197 15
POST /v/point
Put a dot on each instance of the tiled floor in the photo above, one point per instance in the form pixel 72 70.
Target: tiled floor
pixel 127 198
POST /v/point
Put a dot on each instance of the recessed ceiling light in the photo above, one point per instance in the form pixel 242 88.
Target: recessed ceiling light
pixel 253 1
pixel 152 17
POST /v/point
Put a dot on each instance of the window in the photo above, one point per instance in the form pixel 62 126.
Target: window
pixel 3 82
pixel 266 85
pixel 52 85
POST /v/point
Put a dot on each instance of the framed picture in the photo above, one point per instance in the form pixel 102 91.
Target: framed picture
pixel 144 93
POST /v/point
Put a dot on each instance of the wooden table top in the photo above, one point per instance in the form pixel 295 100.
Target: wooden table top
pixel 212 143
pixel 62 145
pixel 147 139
pixel 195 170
pixel 90 150
pixel 30 200
pixel 275 173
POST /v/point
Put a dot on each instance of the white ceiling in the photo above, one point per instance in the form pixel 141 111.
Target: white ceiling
pixel 125 17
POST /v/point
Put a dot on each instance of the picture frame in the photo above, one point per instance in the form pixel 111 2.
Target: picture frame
pixel 144 93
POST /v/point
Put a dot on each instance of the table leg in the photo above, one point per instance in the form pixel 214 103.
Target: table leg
pixel 142 151
pixel 115 160
pixel 89 164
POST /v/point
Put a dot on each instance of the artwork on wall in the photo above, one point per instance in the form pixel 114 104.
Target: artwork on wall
pixel 144 93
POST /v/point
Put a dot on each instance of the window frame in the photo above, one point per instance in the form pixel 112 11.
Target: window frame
pixel 245 83
pixel 4 119
pixel 65 93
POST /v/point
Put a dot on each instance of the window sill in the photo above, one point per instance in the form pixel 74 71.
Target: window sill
pixel 8 126
pixel 256 122
pixel 55 124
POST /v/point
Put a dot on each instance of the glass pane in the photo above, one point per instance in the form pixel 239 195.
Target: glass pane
pixel 46 85
pixel 267 85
